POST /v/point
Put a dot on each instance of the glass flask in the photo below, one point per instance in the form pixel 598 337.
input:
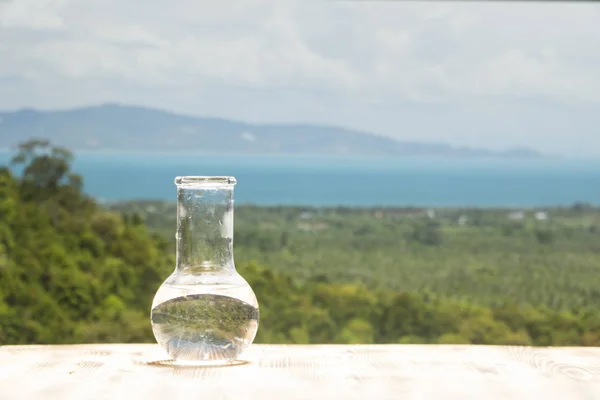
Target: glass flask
pixel 204 312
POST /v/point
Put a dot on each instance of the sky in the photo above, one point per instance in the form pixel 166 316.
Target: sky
pixel 485 74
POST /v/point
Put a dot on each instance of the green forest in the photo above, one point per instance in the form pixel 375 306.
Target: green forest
pixel 73 270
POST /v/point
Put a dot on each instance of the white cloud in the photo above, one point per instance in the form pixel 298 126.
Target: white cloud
pixel 32 14
pixel 471 73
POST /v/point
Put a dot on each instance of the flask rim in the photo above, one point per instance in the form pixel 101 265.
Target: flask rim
pixel 184 181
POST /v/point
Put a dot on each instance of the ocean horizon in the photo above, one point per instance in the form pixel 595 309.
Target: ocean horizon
pixel 323 180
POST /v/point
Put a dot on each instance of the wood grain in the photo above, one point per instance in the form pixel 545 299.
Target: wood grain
pixel 122 371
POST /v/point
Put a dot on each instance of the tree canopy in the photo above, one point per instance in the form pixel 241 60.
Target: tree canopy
pixel 72 271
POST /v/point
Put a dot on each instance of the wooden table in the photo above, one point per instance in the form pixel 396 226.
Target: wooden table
pixel 138 371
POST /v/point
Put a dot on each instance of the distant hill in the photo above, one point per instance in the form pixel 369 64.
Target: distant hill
pixel 120 127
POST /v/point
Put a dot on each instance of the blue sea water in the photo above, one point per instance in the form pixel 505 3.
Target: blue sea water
pixel 330 181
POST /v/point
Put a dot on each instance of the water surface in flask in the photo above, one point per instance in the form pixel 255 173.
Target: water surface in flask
pixel 205 323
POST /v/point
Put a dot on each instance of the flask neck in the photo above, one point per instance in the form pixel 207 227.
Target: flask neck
pixel 204 226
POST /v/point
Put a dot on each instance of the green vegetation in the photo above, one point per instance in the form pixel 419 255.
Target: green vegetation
pixel 544 258
pixel 72 271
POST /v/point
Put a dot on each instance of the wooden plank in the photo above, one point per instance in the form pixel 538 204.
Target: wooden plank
pixel 122 371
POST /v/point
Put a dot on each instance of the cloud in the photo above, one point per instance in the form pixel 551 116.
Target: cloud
pixel 31 14
pixel 469 73
pixel 268 53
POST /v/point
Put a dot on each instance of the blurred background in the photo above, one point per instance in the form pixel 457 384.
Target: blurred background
pixel 408 172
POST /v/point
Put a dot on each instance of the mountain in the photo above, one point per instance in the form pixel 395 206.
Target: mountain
pixel 120 127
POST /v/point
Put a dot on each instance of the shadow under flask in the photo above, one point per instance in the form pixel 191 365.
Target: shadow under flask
pixel 205 312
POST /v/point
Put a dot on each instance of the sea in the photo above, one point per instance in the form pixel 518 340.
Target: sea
pixel 347 181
